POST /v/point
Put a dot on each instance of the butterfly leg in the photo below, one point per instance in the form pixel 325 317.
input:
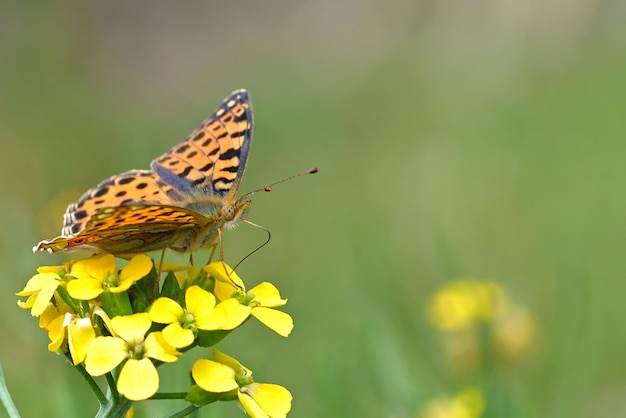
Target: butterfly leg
pixel 191 259
pixel 213 247
pixel 220 244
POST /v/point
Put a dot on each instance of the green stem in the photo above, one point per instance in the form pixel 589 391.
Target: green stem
pixel 169 395
pixel 7 401
pixel 115 409
pixel 112 386
pixel 102 399
pixel 183 412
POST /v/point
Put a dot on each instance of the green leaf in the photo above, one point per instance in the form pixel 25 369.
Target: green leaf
pixel 171 289
pixel 141 293
pixel 116 304
pixel 210 338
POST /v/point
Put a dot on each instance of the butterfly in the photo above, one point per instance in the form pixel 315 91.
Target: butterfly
pixel 182 203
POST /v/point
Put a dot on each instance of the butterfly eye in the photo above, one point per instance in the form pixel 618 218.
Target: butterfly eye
pixel 229 212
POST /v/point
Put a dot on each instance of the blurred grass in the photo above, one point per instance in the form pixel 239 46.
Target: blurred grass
pixel 451 140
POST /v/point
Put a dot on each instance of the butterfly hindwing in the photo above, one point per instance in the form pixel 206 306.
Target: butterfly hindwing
pixel 132 187
pixel 127 229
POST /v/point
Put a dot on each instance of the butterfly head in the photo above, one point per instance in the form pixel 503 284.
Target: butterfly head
pixel 235 213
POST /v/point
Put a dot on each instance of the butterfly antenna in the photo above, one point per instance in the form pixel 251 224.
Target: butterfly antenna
pixel 268 188
pixel 269 237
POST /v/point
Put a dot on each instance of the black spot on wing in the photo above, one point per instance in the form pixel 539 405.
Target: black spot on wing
pixel 231 153
pixel 125 180
pixel 101 192
pixel 185 172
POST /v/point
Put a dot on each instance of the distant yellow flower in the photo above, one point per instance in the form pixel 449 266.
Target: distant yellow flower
pixel 514 334
pixel 463 303
pixel 199 313
pixel 227 374
pixel 468 403
pixel 258 302
pixel 95 274
pixel 138 378
pixel 473 313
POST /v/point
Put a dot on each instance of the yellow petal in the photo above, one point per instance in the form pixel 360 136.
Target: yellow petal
pixel 177 336
pixel 138 379
pixel 198 299
pixel 80 334
pixel 138 267
pixel 226 284
pixel 277 321
pixel 38 282
pixel 53 312
pixel 78 271
pixel 274 400
pixel 85 289
pixel 104 354
pixel 56 333
pixel 122 286
pixel 99 267
pixel 28 303
pixel 253 409
pixel 165 311
pixel 44 297
pixel 231 362
pixel 201 304
pixel 234 312
pixel 158 348
pixel 132 328
pixel 105 318
pixel 213 377
pixel 268 295
pixel 50 269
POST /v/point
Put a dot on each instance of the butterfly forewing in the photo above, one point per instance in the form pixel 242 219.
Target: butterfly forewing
pixel 212 160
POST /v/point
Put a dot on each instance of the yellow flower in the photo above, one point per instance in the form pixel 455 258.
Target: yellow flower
pixel 52 320
pixel 227 374
pixel 258 302
pixel 199 313
pixel 39 289
pixel 95 274
pixel 475 313
pixel 463 303
pixel 138 378
pixel 78 331
pixel 469 403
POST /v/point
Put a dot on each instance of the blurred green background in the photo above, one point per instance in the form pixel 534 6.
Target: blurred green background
pixel 453 138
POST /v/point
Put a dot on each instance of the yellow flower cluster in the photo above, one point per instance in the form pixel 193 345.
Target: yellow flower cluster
pixel 467 310
pixel 468 403
pixel 107 319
